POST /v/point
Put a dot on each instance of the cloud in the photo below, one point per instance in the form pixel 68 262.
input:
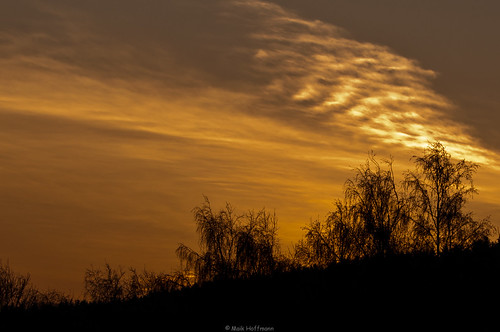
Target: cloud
pixel 256 56
pixel 328 81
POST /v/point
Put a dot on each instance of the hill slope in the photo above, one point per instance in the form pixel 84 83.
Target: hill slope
pixel 458 291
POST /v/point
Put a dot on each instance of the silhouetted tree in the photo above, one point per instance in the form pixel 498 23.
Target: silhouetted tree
pixel 438 191
pixel 380 218
pixel 257 243
pixel 217 258
pixel 340 237
pixel 372 220
pixel 16 290
pixel 231 245
pixel 379 205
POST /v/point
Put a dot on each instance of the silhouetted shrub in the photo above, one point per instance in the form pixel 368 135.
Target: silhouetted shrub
pixel 108 284
pixel 18 292
pixel 104 285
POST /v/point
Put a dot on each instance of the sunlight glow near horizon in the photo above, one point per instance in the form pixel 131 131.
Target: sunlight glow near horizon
pixel 128 134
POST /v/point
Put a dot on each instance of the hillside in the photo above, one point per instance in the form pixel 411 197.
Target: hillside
pixel 457 291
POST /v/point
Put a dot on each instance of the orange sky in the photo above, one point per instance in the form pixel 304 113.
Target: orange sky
pixel 117 116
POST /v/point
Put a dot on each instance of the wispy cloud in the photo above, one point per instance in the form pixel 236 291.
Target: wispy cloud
pixel 329 81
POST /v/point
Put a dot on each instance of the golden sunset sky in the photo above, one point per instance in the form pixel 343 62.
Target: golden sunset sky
pixel 117 116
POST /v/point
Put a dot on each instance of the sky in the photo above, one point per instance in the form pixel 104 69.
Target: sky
pixel 116 117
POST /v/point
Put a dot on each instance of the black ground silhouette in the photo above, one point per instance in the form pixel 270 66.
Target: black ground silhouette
pixel 457 291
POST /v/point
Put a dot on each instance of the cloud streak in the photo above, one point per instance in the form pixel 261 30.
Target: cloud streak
pixel 361 88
